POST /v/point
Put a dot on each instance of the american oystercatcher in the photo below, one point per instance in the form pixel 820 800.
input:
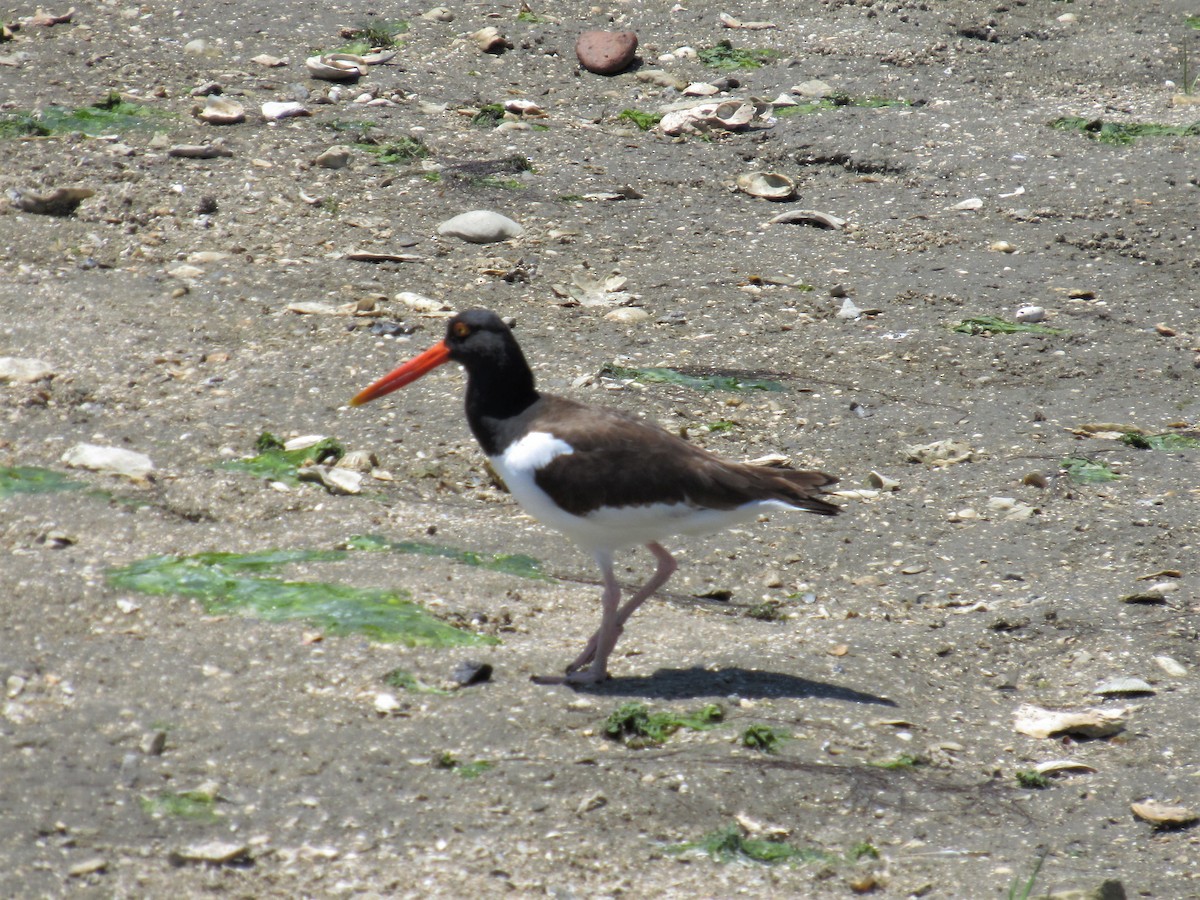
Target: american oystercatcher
pixel 606 480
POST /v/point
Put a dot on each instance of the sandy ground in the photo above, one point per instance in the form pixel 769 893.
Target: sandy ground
pixel 906 632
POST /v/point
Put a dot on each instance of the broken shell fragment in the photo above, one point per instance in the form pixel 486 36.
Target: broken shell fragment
pixel 490 40
pixel 731 115
pixel 220 110
pixel 767 185
pixel 58 202
pixel 1057 766
pixel 273 112
pixel 813 217
pixel 336 67
pixel 1163 815
pixel 1089 723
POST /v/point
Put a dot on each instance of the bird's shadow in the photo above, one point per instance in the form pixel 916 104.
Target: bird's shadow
pixel 675 684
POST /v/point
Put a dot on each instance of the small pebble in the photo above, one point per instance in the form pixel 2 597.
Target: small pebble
pixel 336 157
pixel 606 52
pixel 470 672
pixel 481 226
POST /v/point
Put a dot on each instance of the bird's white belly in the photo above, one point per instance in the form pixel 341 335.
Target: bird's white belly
pixel 607 528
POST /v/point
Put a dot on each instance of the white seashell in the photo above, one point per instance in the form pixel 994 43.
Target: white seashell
pixel 1172 667
pixel 303 442
pixel 273 112
pixel 627 315
pixel 110 460
pixel 1163 814
pixel 1030 314
pixel 700 89
pixel 481 226
pixel 24 370
pixel 490 40
pixel 220 110
pixel 767 185
pixel 1044 723
pixel 1054 766
pixel 882 482
pixel 523 108
pixel 1123 686
pixel 336 67
pixel 812 217
pixel 734 114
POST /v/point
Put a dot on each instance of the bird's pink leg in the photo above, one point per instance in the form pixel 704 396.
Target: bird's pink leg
pixel 666 568
pixel 603 640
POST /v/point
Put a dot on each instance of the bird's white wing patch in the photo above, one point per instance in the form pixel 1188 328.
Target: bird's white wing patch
pixel 532 452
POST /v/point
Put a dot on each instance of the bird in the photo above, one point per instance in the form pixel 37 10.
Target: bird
pixel 606 480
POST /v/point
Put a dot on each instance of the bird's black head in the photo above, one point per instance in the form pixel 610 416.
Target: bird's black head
pixel 479 337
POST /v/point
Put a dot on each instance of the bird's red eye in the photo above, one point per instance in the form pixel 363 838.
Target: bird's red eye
pixel 461 329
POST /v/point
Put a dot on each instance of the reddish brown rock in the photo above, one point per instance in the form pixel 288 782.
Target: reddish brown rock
pixel 606 52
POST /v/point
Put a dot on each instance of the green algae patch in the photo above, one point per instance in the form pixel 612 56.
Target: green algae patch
pixel 1171 440
pixel 277 464
pixel 508 563
pixel 635 726
pixel 724 57
pixel 195 806
pixel 34 480
pixel 242 583
pixel 988 325
pixel 407 681
pixel 764 738
pixel 1088 471
pixel 1122 132
pixel 643 120
pixel 714 382
pixel 109 116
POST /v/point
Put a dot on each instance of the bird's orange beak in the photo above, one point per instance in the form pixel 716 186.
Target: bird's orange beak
pixel 435 356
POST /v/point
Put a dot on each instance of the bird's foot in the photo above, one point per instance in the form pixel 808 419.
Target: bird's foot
pixel 587 676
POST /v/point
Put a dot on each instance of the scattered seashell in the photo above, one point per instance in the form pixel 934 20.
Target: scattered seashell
pixel 334 480
pixel 24 371
pixel 211 852
pixel 1030 314
pixel 1057 766
pixel 809 217
pixel 730 22
pixel 274 111
pixel 481 226
pixel 627 315
pixel 700 89
pixel 109 460
pixel 358 461
pixel 268 61
pixel 940 453
pixel 1171 666
pixel 385 703
pixel 202 48
pixel 1125 685
pixel 372 256
pixel 424 306
pixel 185 273
pixel 1001 247
pixel 438 14
pixel 814 88
pixel 730 115
pixel 336 67
pixel 1163 815
pixel 490 40
pixel 58 202
pixel 526 108
pixel 219 110
pixel 882 482
pixel 303 442
pixel 967 205
pixel 1089 723
pixel 767 185
pixel 199 151
pixel 849 310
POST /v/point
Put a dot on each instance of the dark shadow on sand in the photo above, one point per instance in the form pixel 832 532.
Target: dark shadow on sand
pixel 675 684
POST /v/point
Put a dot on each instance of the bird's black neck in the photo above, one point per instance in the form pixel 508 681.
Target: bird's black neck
pixel 498 389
